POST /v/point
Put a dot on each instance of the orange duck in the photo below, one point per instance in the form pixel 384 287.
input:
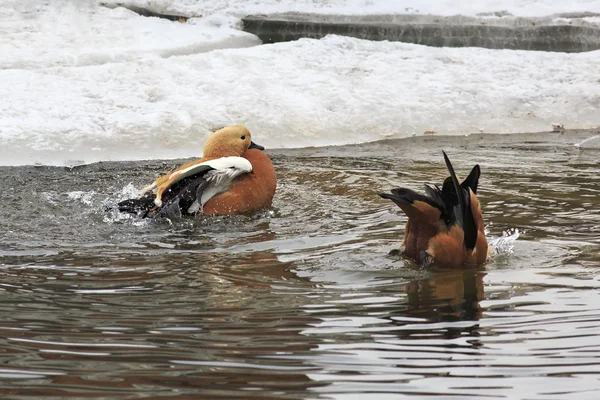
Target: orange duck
pixel 234 176
pixel 445 226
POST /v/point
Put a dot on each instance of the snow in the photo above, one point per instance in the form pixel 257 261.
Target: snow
pixel 83 83
pixel 79 34
pixel 336 90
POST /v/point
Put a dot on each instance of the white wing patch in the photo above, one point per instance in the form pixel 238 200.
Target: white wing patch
pixel 219 179
pixel 220 163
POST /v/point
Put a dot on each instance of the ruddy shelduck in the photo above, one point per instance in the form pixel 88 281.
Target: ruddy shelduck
pixel 234 176
pixel 445 226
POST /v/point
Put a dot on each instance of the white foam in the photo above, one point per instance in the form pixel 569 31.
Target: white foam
pixel 505 244
pixel 128 191
pixel 84 197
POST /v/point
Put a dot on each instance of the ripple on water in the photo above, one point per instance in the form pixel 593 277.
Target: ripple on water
pixel 302 301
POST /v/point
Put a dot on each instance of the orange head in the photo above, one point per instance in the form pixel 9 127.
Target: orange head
pixel 229 141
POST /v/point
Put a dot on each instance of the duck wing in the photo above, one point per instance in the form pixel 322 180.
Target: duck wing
pixel 427 208
pixel 188 189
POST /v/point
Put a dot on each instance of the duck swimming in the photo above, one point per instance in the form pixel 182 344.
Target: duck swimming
pixel 234 176
pixel 445 226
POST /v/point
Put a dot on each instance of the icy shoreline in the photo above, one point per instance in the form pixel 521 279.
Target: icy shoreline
pixel 566 32
pixel 577 139
pixel 540 34
pixel 240 8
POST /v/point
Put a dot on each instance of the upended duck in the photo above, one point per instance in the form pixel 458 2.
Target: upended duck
pixel 234 176
pixel 445 226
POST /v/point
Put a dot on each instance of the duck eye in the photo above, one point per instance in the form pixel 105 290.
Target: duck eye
pixel 243 137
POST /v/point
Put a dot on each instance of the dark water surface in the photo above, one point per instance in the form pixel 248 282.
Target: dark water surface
pixel 302 302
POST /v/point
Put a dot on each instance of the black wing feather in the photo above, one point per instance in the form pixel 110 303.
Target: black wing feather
pixel 472 180
pixel 176 200
pixel 137 206
pixel 408 196
pixel 460 200
pixel 182 197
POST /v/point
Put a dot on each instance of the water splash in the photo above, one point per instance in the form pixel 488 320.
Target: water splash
pixel 129 191
pixel 114 216
pixel 505 243
pixel 586 140
pixel 110 211
pixel 82 196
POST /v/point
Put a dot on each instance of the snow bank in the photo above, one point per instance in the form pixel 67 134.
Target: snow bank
pixel 60 33
pixel 310 92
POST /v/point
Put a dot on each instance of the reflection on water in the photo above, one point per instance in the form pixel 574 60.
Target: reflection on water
pixel 302 301
pixel 446 296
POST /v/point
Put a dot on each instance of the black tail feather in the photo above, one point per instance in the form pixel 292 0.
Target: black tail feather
pixel 463 213
pixel 472 180
pixel 458 189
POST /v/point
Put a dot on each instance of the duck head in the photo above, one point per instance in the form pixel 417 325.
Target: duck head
pixel 229 141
